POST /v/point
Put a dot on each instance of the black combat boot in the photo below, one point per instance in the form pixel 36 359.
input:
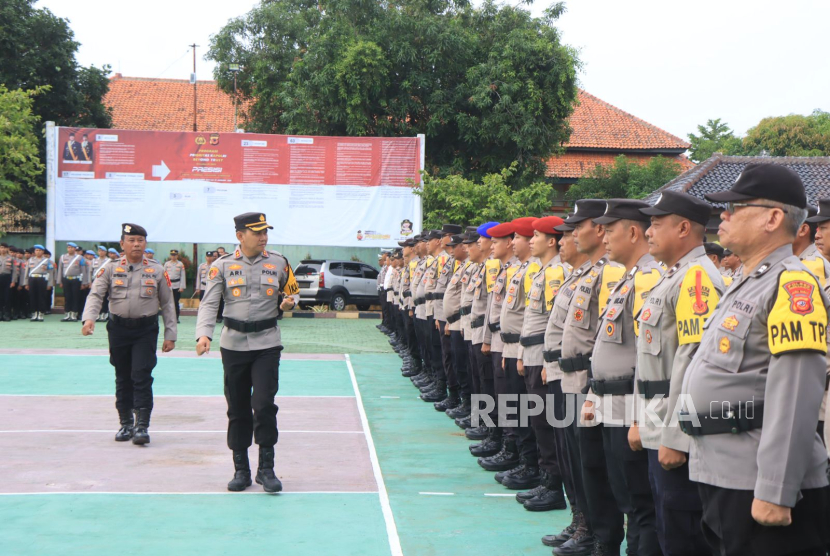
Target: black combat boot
pixel 477 433
pixel 450 402
pixel 464 422
pixel 567 533
pixel 142 423
pixel 489 446
pixel 551 496
pixel 507 458
pixel 242 471
pixel 265 473
pixel 602 549
pixel 462 410
pixel 127 425
pixel 437 394
pixel 581 542
pixel 525 495
pixel 524 478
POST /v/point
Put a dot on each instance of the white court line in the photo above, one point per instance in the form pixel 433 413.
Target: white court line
pixel 437 493
pixel 386 508
pixel 154 395
pixel 158 431
pixel 218 493
pixel 499 494
pixel 390 397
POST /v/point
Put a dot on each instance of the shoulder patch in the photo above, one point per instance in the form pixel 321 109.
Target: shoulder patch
pixel 492 268
pixel 213 273
pixel 644 281
pixel 554 277
pixel 611 274
pixel 167 277
pixel 798 320
pixel 816 266
pixel 695 304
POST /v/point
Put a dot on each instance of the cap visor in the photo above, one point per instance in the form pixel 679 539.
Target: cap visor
pixel 654 211
pixel 605 219
pixel 576 219
pixel 260 227
pixel 563 228
pixel 818 219
pixel 727 196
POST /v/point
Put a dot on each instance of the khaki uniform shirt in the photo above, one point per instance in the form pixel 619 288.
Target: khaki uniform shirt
pixel 542 290
pixel 468 288
pixel 446 263
pixel 6 264
pixel 408 292
pixel 615 350
pixel 481 299
pixel 513 309
pixel 72 267
pixel 201 277
pixel 452 295
pixel 671 325
pixel 37 267
pixel 766 343
pixel 251 289
pixel 176 271
pixel 135 290
pixel 558 317
pixel 820 267
pixel 591 294
pixel 418 286
pixel 492 318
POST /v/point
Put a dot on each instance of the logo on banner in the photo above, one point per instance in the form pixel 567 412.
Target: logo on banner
pixel 359 235
pixel 200 140
pixel 406 227
pixel 214 138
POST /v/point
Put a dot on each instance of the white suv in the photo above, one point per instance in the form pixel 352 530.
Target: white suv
pixel 337 284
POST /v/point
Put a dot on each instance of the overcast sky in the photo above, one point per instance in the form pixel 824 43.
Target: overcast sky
pixel 673 64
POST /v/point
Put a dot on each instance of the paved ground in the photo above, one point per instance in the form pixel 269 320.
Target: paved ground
pixel 66 488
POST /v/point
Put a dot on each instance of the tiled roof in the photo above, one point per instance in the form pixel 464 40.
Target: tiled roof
pixel 15 221
pixel 167 105
pixel 719 172
pixel 574 164
pixel 599 125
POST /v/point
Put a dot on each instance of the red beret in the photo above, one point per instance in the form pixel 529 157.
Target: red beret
pixel 548 224
pixel 524 226
pixel 502 230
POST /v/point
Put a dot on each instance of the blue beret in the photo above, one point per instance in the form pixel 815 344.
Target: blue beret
pixel 148 250
pixel 90 252
pixel 39 246
pixel 112 250
pixel 102 248
pixel 483 229
pixel 71 244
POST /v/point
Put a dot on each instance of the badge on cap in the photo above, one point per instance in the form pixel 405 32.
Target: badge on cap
pixel 127 229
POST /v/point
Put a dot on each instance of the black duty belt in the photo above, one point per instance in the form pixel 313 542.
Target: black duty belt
pixel 509 338
pixel 37 276
pixel 466 310
pixel 581 362
pixel 535 340
pixel 731 421
pixel 175 281
pixel 477 322
pixel 420 301
pixel 255 326
pixel 407 293
pixel 134 323
pixel 494 326
pixel 552 355
pixel 652 388
pixel 454 318
pixel 72 277
pixel 612 387
pixel 430 297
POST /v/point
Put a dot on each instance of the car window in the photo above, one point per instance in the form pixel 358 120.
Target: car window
pixel 369 272
pixel 336 269
pixel 306 269
pixel 352 270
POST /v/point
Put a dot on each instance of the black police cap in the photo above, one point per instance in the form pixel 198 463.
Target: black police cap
pixel 133 230
pixel 434 234
pixel 456 240
pixel 565 227
pixel 681 204
pixel 210 253
pixel 623 209
pixel 470 237
pixel 254 221
pixel 714 249
pixel 174 251
pixel 585 209
pixel 823 212
pixel 765 181
pixel 451 229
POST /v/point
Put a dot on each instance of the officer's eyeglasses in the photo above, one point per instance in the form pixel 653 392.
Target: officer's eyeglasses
pixel 730 207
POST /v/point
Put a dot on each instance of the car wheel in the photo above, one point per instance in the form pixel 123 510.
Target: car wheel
pixel 338 302
pixel 363 307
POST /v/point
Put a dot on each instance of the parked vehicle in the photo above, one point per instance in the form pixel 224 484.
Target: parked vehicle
pixel 337 284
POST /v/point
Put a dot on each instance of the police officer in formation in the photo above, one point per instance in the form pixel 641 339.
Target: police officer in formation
pixel 178 281
pixel 698 407
pixel 73 274
pixel 252 281
pixel 138 290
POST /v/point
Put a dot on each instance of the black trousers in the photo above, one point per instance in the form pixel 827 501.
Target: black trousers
pixel 730 530
pixel 37 295
pixel 542 430
pixel 482 365
pixel 460 363
pixel 84 294
pixel 501 387
pixel 177 295
pixel 423 337
pixel 525 439
pixel 436 355
pixel 678 509
pixel 411 336
pixel 573 440
pixel 5 293
pixel 71 295
pixel 133 354
pixel 560 435
pixel 606 514
pixel 447 358
pixel 251 415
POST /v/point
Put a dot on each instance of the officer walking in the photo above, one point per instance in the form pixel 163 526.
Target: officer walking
pixel 38 280
pixel 136 288
pixel 6 270
pixel 71 273
pixel 252 281
pixel 754 387
pixel 671 324
pixel 178 281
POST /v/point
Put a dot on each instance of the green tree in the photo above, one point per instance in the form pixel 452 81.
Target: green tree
pixel 456 199
pixel 792 135
pixel 715 137
pixel 487 85
pixel 20 164
pixel 625 179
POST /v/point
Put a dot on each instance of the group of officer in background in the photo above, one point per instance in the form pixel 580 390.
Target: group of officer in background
pixel 684 403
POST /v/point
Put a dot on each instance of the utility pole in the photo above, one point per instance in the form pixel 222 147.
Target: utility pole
pixel 193 46
pixel 234 69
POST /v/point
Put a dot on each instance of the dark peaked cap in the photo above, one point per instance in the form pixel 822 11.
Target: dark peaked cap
pixel 765 181
pixel 681 204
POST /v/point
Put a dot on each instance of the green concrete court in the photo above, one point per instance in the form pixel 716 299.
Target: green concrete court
pixel 441 501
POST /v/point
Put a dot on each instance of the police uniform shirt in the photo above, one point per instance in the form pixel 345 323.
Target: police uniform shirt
pixel 72 267
pixel 671 325
pixel 765 342
pixel 557 318
pixel 591 294
pixel 493 317
pixel 36 267
pixel 468 288
pixel 452 295
pixel 446 263
pixel 136 290
pixel 409 288
pixel 201 277
pixel 513 309
pixel 418 285
pixel 175 269
pixel 481 298
pixel 615 350
pixel 430 280
pixel 251 289
pixel 820 267
pixel 541 291
pixel 6 264
pixel 388 284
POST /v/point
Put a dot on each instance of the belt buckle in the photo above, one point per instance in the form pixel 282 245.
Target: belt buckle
pixel 733 419
pixel 686 425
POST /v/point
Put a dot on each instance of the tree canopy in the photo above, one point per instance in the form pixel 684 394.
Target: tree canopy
pixel 626 179
pixel 20 164
pixel 488 85
pixel 715 137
